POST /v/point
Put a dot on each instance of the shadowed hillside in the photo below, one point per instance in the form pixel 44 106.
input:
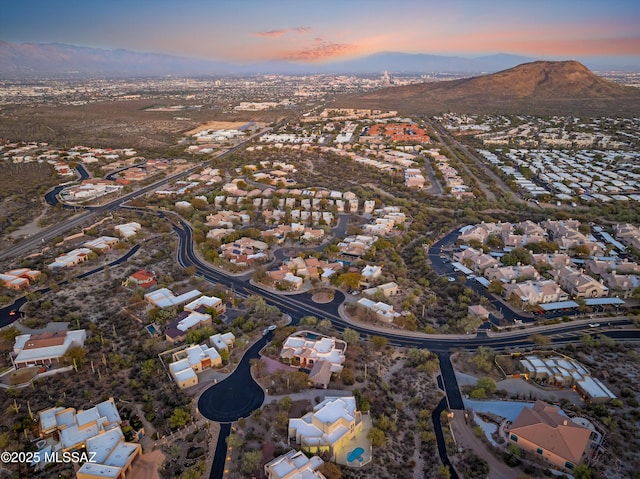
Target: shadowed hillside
pixel 537 88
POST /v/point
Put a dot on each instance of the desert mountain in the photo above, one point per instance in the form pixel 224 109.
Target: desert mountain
pixel 540 88
pixel 55 60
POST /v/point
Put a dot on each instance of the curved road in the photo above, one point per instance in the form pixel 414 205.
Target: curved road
pixel 237 395
pixel 9 314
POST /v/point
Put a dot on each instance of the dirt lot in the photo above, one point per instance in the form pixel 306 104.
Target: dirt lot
pixel 216 125
pixel 115 124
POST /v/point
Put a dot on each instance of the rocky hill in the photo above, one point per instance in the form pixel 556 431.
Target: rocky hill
pixel 537 88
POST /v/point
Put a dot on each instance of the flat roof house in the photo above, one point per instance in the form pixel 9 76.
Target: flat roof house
pixel 164 298
pixel 222 342
pixel 311 351
pixel 19 278
pixel 71 258
pixel 98 431
pixel 190 361
pixel 294 465
pixel 45 348
pixel 328 428
pixel 186 321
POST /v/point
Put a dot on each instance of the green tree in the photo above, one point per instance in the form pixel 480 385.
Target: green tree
pixel 348 378
pixel 376 436
pixel 483 358
pixel 309 321
pixel 77 353
pixel 179 418
pixel 488 384
pixel 443 472
pixel 250 461
pixel 350 280
pixel 495 286
pixel 379 342
pixel 235 440
pixel 350 336
pixel 9 334
pixel 149 368
pixel 540 339
pixel 286 403
pixel 582 472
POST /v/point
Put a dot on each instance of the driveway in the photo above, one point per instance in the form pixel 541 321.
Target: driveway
pixel 467 439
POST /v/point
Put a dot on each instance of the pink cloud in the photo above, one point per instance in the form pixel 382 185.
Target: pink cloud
pixel 320 51
pixel 279 33
pixel 271 34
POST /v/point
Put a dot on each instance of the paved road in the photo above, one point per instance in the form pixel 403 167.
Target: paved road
pixel 10 313
pixel 220 456
pixel 44 236
pixel 442 447
pixel 237 395
pixel 454 397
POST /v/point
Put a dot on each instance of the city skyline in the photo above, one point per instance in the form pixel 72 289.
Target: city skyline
pixel 332 31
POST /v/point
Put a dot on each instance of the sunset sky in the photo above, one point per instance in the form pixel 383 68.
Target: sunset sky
pixel 331 30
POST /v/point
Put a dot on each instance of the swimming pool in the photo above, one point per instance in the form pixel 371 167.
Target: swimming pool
pixel 355 455
pixel 152 330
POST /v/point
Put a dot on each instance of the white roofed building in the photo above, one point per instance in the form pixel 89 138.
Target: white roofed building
pixel 45 348
pixel 330 428
pixel 305 350
pixel 128 230
pixel 164 298
pixel 98 431
pixel 294 465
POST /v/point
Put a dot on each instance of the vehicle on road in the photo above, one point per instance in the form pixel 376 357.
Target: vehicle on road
pixel 594 325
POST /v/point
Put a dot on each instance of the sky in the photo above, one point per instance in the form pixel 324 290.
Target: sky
pixel 312 31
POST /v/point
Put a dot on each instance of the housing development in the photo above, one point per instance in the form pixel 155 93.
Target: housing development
pixel 282 277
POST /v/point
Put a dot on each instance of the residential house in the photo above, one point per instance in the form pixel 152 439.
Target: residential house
pixel 305 350
pixel 535 292
pixel 555 260
pixel 628 234
pixel 294 465
pixel 244 251
pixel 507 274
pixel 566 372
pixel 388 289
pixel 128 230
pixel 164 298
pixel 71 258
pixel 369 273
pixel 580 285
pixel 545 431
pixel 329 428
pixel 383 311
pixel 621 284
pixel 208 303
pixel 96 430
pixel 478 310
pixel 45 348
pixel 186 321
pixel 601 265
pixel 222 342
pixel 142 279
pixel 190 361
pixel 103 243
pixel 19 278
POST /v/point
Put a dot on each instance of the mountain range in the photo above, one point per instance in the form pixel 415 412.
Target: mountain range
pixel 535 88
pixel 35 60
